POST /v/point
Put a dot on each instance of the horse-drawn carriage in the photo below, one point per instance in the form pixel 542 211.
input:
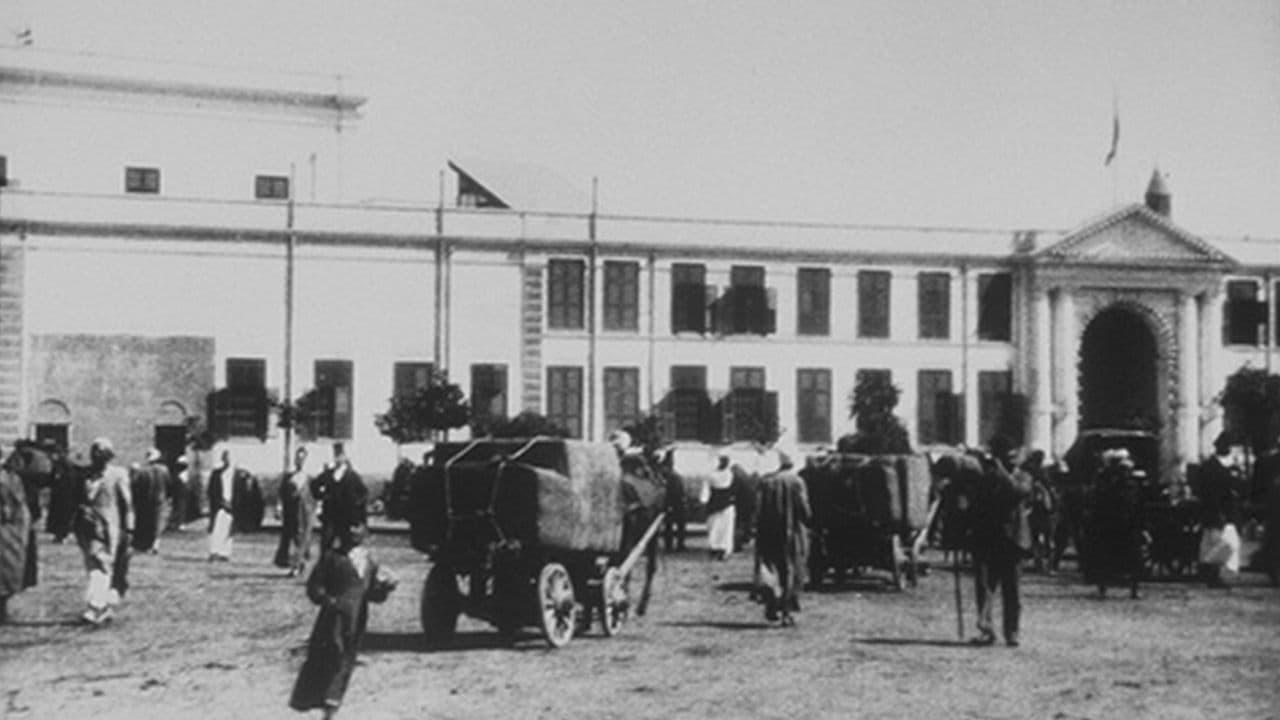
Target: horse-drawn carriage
pixel 1149 521
pixel 869 512
pixel 539 532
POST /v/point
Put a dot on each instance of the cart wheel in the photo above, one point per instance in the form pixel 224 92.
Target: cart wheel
pixel 615 603
pixel 556 604
pixel 440 604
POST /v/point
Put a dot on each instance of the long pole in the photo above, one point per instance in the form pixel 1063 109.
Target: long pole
pixel 290 242
pixel 955 569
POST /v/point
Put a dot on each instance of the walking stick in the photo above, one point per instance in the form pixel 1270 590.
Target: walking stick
pixel 955 567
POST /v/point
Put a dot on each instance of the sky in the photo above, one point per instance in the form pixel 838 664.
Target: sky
pixel 963 113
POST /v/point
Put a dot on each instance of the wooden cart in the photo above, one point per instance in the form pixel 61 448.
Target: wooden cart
pixel 540 532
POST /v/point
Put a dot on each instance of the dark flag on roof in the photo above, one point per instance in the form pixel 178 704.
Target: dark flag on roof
pixel 1115 134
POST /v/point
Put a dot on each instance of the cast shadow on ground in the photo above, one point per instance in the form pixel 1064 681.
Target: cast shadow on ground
pixel 389 642
pixel 721 624
pixel 914 642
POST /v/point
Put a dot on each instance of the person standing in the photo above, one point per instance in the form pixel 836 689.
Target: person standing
pixel 103 523
pixel 717 495
pixel 675 524
pixel 1219 494
pixel 15 534
pixel 179 496
pixel 297 514
pixel 781 543
pixel 999 539
pixel 342 496
pixel 150 486
pixel 231 506
pixel 343 583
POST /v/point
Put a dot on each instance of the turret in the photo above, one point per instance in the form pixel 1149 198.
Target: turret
pixel 1158 197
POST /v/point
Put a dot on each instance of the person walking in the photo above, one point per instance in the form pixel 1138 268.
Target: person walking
pixel 343 583
pixel 150 487
pixel 999 539
pixel 1219 493
pixel 342 496
pixel 235 505
pixel 297 515
pixel 103 524
pixel 717 496
pixel 783 516
pixel 15 534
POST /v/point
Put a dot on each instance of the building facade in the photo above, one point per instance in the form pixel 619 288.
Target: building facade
pixel 172 248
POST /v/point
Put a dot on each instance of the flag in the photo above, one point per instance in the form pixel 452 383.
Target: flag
pixel 1115 134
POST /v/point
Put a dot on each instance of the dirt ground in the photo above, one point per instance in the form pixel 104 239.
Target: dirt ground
pixel 195 640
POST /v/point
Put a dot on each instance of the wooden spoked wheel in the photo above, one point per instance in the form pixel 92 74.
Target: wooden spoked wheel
pixel 615 601
pixel 558 608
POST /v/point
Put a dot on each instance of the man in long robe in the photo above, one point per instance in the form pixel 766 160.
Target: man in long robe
pixel 150 487
pixel 781 543
pixel 297 515
pixel 235 505
pixel 717 495
pixel 104 521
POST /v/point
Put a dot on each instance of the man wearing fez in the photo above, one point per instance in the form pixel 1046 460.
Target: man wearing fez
pixel 342 496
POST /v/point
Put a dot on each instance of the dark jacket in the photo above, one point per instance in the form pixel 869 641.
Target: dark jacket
pixel 343 503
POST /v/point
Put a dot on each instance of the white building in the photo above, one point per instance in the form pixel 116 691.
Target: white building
pixel 150 256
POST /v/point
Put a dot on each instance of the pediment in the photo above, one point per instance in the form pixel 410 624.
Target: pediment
pixel 1133 236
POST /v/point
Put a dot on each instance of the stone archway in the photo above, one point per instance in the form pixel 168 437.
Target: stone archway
pixel 1120 383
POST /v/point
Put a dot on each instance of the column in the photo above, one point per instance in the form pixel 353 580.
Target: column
pixel 1065 399
pixel 1211 304
pixel 1041 372
pixel 1188 444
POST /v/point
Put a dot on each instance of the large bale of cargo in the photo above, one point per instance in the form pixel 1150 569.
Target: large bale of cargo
pixel 890 491
pixel 552 493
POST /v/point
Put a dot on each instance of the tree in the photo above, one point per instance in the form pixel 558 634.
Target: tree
pixel 302 414
pixel 879 431
pixel 418 416
pixel 1251 407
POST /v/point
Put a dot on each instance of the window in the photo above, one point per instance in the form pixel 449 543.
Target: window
pixel 934 302
pixel 745 307
pixel 1244 313
pixel 565 294
pixel 873 304
pixel 4 171
pixel 564 398
pixel 995 303
pixel 1275 312
pixel 1000 411
pixel 410 377
pixel 689 406
pixel 488 393
pixel 688 298
pixel 813 301
pixel 271 187
pixel 621 295
pixel 621 397
pixel 142 180
pixel 938 418
pixel 748 412
pixel 334 389
pixel 813 405
pixel 240 409
pixel 59 434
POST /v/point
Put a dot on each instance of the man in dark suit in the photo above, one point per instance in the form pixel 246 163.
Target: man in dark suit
pixel 235 505
pixel 999 538
pixel 343 499
pixel 1220 512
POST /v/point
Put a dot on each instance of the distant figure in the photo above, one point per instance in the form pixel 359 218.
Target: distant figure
pixel 150 486
pixel 343 584
pixel 999 539
pixel 783 517
pixel 297 514
pixel 1268 471
pixel 15 534
pixel 1220 512
pixel 717 496
pixel 103 523
pixel 1115 531
pixel 343 499
pixel 235 505
pixel 179 496
pixel 63 489
pixel 675 524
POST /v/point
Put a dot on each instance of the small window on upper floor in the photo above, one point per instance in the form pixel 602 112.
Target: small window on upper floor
pixel 995 306
pixel 142 180
pixel 1244 314
pixel 4 171
pixel 271 187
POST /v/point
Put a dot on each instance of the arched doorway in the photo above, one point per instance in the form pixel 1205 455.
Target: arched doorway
pixel 1119 379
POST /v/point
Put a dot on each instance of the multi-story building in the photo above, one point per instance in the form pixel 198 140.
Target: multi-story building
pixel 163 239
